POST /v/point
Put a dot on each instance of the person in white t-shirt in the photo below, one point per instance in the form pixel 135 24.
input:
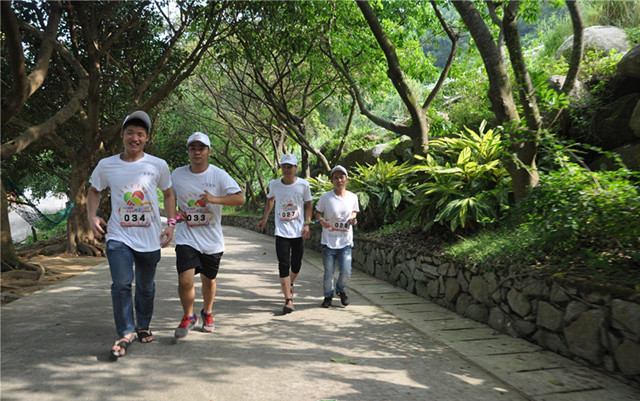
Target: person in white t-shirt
pixel 134 233
pixel 291 197
pixel 201 190
pixel 338 210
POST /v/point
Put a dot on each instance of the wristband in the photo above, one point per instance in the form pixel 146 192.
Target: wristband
pixel 171 222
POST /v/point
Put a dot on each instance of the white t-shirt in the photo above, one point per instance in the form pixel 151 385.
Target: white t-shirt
pixel 337 211
pixel 202 230
pixel 135 216
pixel 289 206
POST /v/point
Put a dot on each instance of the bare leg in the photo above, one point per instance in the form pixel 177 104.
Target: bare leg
pixel 209 287
pixel 187 291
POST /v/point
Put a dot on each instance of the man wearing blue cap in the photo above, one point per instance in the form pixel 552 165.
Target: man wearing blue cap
pixel 201 191
pixel 134 233
pixel 291 197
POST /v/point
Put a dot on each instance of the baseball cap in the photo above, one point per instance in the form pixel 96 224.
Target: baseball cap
pixel 288 158
pixel 199 137
pixel 338 168
pixel 140 115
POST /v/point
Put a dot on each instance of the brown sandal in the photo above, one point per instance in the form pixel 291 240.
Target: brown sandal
pixel 287 309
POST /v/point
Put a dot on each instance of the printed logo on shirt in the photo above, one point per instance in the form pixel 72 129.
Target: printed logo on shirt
pixel 136 212
pixel 288 211
pixel 340 223
pixel 197 212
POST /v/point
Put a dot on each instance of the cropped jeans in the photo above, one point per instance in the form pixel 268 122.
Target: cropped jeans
pixel 331 257
pixel 121 262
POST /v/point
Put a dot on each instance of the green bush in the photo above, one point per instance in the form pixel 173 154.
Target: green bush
pixel 595 215
pixel 462 182
pixel 319 185
pixel 383 191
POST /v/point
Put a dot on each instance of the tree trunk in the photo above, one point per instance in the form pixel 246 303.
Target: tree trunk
pixel 419 129
pixel 9 258
pixel 80 238
pixel 500 94
pixel 526 146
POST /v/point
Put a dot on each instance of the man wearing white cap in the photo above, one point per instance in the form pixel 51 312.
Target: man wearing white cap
pixel 201 191
pixel 134 233
pixel 338 210
pixel 291 197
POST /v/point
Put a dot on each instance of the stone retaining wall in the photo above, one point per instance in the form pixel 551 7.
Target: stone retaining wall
pixel 594 326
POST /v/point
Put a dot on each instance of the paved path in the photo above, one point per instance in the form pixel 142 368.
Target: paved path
pixel 388 345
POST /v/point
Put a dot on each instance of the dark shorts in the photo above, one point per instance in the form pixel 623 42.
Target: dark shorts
pixel 188 258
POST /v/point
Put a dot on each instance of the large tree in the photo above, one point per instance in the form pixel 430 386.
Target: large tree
pixel 523 135
pixel 109 58
pixel 349 59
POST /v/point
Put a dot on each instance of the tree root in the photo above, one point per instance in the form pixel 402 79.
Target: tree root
pixel 32 266
pixel 86 248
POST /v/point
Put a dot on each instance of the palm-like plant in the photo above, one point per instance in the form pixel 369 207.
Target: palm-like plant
pixel 383 190
pixel 461 182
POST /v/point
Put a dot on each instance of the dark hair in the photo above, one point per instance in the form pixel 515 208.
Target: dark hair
pixel 137 122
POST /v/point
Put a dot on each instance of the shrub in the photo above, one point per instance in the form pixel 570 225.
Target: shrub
pixel 595 215
pixel 462 182
pixel 383 191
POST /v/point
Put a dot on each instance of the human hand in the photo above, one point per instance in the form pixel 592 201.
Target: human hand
pixel 96 224
pixel 306 233
pixel 207 198
pixel 261 224
pixel 167 234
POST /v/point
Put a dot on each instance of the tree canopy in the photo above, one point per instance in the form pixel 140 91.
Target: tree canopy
pixel 261 78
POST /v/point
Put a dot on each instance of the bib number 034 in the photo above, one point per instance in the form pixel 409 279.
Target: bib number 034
pixel 135 216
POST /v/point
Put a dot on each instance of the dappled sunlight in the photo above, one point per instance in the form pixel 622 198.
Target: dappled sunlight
pixel 467 379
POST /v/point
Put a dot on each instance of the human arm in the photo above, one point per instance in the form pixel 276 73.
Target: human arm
pixel 170 210
pixel 96 222
pixel 267 210
pixel 308 213
pixel 236 199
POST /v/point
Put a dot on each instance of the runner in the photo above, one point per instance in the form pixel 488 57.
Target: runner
pixel 338 210
pixel 134 233
pixel 201 190
pixel 291 197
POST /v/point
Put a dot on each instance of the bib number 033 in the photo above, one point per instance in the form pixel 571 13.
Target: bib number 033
pixel 197 216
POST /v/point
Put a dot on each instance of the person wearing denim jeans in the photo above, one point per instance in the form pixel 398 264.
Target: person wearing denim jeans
pixel 337 211
pixel 134 231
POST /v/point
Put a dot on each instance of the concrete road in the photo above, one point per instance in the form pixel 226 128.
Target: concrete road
pixel 387 345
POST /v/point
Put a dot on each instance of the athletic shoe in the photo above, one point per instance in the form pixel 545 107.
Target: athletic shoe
pixel 207 321
pixel 327 302
pixel 344 298
pixel 186 324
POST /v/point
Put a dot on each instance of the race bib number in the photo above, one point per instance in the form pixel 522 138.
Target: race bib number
pixel 135 216
pixel 197 216
pixel 289 213
pixel 339 225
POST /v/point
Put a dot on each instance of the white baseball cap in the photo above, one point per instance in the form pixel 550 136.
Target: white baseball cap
pixel 140 115
pixel 338 168
pixel 199 137
pixel 288 158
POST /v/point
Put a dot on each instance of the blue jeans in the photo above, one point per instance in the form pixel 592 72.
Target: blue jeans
pixel 121 259
pixel 329 259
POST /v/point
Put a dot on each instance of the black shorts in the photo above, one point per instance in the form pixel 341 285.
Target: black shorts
pixel 188 258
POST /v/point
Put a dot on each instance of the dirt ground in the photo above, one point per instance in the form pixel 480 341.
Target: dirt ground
pixel 18 283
